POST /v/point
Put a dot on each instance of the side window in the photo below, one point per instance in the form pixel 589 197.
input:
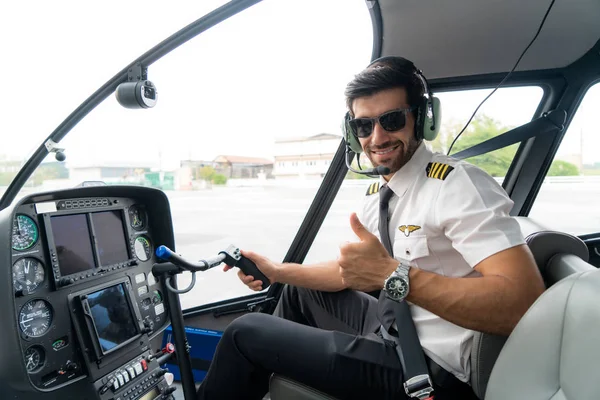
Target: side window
pixel 506 109
pixel 573 181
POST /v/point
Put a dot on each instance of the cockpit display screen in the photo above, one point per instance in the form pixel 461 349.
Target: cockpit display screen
pixel 112 316
pixel 73 244
pixel 110 237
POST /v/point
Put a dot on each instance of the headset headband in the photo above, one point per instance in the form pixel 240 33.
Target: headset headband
pixel 404 63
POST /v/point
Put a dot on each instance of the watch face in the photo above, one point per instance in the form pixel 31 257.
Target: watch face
pixel 396 287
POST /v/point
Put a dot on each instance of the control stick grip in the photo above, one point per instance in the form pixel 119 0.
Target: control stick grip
pixel 234 258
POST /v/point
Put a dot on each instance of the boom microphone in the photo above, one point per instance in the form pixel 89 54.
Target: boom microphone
pixel 379 170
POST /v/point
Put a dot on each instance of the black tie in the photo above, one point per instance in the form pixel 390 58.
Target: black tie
pixel 385 311
pixel 385 194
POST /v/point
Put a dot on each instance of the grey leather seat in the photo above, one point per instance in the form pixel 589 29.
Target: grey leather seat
pixel 553 352
pixel 557 255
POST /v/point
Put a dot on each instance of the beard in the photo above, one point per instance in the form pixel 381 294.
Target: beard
pixel 401 156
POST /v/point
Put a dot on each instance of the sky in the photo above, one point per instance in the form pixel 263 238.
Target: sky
pixel 275 70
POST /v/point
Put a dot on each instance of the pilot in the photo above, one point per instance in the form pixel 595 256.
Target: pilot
pixel 453 241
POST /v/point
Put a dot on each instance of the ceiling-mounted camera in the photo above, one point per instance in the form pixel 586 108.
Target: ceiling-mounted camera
pixel 141 94
pixel 138 92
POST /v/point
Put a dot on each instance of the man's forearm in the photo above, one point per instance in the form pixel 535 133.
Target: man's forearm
pixel 491 304
pixel 324 276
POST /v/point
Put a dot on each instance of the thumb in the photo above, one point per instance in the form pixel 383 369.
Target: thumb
pixel 251 256
pixel 359 229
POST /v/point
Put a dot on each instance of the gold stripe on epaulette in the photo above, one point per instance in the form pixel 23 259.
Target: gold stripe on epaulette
pixel 438 170
pixel 373 188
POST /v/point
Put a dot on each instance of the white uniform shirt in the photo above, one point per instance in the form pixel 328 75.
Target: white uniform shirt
pixel 446 216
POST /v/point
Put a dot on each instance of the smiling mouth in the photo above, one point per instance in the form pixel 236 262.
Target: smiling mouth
pixel 385 151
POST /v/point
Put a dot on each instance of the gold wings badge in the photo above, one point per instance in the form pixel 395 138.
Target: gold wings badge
pixel 408 229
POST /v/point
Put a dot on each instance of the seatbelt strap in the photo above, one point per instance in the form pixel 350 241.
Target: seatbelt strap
pixel 417 382
pixel 550 123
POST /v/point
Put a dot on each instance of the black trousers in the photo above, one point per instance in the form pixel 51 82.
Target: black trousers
pixel 324 340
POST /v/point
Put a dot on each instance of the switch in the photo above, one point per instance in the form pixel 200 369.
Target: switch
pixel 125 376
pixel 115 385
pixel 138 368
pixel 131 372
pixel 121 379
pixel 144 365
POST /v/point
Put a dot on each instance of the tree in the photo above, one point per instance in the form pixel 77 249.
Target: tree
pixel 219 179
pixel 206 173
pixel 209 174
pixel 563 168
pixel 482 128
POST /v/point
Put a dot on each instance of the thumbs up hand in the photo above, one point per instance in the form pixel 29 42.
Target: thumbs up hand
pixel 364 265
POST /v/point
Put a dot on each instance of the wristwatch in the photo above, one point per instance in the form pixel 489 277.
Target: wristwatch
pixel 397 285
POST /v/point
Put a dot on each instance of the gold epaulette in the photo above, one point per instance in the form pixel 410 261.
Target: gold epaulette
pixel 373 188
pixel 438 170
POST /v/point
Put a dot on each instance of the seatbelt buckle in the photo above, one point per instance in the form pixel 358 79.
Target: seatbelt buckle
pixel 419 387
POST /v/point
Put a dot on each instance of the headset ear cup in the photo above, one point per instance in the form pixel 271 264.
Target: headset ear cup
pixel 429 121
pixel 420 118
pixel 350 136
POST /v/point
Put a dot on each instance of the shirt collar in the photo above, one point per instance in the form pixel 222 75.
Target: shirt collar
pixel 402 179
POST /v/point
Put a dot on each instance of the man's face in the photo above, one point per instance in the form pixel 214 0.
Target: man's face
pixel 390 149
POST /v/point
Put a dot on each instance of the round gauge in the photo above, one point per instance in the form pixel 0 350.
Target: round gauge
pixel 28 274
pixel 143 248
pixel 24 233
pixel 35 318
pixel 34 358
pixel 137 217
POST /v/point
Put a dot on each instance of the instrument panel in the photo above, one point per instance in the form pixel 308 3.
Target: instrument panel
pixel 85 299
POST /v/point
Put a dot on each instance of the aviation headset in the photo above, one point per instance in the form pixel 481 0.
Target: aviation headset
pixel 428 115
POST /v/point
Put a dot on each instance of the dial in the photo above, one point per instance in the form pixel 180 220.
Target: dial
pixel 34 358
pixel 143 248
pixel 24 233
pixel 35 318
pixel 28 274
pixel 137 218
pixel 397 287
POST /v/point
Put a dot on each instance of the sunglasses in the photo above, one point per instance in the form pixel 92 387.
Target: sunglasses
pixel 390 121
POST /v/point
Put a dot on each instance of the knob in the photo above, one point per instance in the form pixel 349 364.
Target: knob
pixel 71 366
pixel 160 373
pixel 169 390
pixel 65 281
pixel 148 326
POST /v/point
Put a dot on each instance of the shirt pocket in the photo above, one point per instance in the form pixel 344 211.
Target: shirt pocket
pixel 411 248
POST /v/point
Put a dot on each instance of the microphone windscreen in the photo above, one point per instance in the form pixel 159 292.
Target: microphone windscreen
pixel 381 170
